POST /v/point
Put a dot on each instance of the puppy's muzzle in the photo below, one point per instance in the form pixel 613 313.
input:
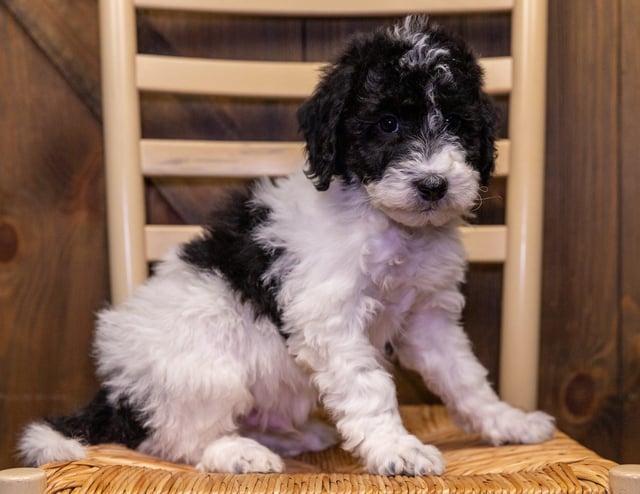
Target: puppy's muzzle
pixel 432 187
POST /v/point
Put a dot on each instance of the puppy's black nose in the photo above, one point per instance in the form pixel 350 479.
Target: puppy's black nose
pixel 433 187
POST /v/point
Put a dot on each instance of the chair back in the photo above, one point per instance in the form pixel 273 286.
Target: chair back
pixel 129 159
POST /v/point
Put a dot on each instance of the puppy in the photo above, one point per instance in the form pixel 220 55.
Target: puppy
pixel 294 291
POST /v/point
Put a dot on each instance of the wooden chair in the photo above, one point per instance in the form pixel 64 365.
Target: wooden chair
pixel 560 465
pixel 129 159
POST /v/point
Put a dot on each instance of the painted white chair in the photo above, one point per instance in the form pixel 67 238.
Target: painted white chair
pixel 129 159
pixel 558 466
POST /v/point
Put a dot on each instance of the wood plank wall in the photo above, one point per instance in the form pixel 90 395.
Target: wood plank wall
pixel 629 224
pixel 52 239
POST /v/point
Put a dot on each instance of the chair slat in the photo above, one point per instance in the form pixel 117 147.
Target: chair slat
pixel 329 7
pixel 242 159
pixel 245 159
pixel 498 72
pixel 160 238
pixel 260 79
pixel 503 160
pixel 252 79
pixel 484 244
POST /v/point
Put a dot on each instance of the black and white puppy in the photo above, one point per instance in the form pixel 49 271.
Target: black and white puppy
pixel 292 294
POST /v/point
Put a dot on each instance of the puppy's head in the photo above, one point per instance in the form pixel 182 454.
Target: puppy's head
pixel 402 113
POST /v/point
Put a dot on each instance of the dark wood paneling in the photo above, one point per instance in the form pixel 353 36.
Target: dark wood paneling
pixel 52 265
pixel 69 37
pixel 580 290
pixel 630 228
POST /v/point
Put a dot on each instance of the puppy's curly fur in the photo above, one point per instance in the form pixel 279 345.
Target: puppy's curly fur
pixel 296 289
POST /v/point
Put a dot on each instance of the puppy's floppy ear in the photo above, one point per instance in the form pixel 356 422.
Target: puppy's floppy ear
pixel 319 119
pixel 489 116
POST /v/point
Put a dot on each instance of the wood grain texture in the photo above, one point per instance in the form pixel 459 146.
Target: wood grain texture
pixel 630 229
pixel 62 31
pixel 52 274
pixel 580 284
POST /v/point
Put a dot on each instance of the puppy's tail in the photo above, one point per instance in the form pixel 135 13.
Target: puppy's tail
pixel 66 438
pixel 40 443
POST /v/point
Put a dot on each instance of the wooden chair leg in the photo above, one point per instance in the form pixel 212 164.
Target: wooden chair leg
pixel 625 479
pixel 22 481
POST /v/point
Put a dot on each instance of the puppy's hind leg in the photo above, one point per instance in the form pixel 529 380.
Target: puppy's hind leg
pixel 213 447
pixel 199 426
pixel 237 454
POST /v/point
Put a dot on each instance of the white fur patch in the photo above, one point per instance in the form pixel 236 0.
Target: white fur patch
pixel 397 196
pixel 41 444
pixel 422 52
pixel 195 360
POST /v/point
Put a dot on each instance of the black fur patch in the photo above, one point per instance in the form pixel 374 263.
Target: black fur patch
pixel 369 82
pixel 228 247
pixel 101 422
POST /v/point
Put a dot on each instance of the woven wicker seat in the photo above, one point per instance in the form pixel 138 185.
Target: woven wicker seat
pixel 559 466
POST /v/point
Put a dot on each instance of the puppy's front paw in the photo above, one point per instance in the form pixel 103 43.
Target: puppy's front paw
pixel 511 425
pixel 239 455
pixel 405 455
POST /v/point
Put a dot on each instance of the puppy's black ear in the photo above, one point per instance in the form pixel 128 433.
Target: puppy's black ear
pixel 489 116
pixel 319 119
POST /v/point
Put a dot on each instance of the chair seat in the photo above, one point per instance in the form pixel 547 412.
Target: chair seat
pixel 558 466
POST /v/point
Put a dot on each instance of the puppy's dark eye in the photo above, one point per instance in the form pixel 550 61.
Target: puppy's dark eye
pixel 388 124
